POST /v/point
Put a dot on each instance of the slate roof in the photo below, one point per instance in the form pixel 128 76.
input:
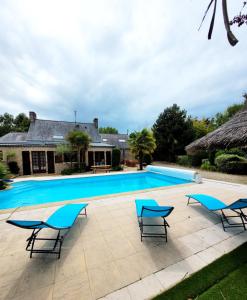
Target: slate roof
pixel 14 137
pixel 56 131
pixel 118 140
pixel 48 133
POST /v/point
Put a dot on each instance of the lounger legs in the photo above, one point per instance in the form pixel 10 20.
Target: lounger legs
pixel 58 241
pixel 225 220
pixel 33 238
pixel 149 234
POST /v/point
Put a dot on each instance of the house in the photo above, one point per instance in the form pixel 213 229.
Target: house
pixel 120 141
pixel 35 150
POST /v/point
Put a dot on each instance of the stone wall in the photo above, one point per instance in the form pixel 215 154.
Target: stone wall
pixel 58 166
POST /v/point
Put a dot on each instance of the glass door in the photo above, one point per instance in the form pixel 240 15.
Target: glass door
pixel 38 161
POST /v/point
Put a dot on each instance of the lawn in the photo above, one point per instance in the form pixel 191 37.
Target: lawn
pixel 226 278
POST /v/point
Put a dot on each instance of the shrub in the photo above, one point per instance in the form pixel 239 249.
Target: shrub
pixel 211 157
pixel 13 167
pixel 196 159
pixel 3 175
pixel 207 166
pixel 236 151
pixel 67 171
pixel 116 154
pixel 227 163
pixel 2 185
pixel 79 168
pixel 184 160
pixel 236 167
pixel 3 171
pixel 117 168
pixel 147 159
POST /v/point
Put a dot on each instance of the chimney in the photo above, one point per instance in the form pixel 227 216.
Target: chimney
pixel 32 116
pixel 96 123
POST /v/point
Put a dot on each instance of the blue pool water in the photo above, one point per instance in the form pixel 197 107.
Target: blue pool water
pixel 34 192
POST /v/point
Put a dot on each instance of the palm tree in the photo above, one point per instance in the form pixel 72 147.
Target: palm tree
pixel 79 141
pixel 142 142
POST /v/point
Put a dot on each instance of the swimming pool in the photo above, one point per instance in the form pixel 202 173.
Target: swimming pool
pixel 34 192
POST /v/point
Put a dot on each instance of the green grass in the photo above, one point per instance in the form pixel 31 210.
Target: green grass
pixel 226 278
pixel 232 287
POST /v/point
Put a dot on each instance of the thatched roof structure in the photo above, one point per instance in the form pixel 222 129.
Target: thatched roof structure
pixel 231 134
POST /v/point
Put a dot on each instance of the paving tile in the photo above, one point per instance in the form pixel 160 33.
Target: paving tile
pixel 173 274
pixel 145 289
pixel 230 244
pixel 209 255
pixel 72 262
pixel 73 288
pixel 122 294
pixel 44 293
pixel 121 248
pixel 194 242
pixel 194 263
pixel 39 273
pixel 96 256
pixel 210 236
pixel 162 257
pixel 104 279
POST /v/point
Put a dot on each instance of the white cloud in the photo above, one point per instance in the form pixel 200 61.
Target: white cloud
pixel 121 60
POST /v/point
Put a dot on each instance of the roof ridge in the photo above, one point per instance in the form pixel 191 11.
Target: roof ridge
pixel 63 121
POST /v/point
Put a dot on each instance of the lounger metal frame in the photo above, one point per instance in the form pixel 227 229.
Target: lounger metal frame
pixel 226 219
pixel 58 241
pixel 149 234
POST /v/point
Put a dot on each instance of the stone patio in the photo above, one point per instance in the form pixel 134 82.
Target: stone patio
pixel 102 255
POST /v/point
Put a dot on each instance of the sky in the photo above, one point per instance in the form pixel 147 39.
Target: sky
pixel 123 61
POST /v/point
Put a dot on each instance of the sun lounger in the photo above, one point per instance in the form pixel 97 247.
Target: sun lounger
pixel 62 219
pixel 149 208
pixel 214 204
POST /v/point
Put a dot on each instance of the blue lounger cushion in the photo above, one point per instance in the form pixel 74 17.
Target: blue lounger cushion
pixel 149 208
pixel 209 202
pixel 212 203
pixel 63 218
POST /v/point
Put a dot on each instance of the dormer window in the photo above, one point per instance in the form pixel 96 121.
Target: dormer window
pixel 122 141
pixel 58 137
pixel 104 140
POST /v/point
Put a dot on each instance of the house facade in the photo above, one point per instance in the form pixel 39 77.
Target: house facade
pixel 35 151
pixel 120 141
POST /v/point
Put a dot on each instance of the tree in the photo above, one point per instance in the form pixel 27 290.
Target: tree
pixel 110 130
pixel 79 141
pixel 221 118
pixel 116 157
pixel 21 122
pixel 173 130
pixel 142 142
pixel 202 127
pixel 6 123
